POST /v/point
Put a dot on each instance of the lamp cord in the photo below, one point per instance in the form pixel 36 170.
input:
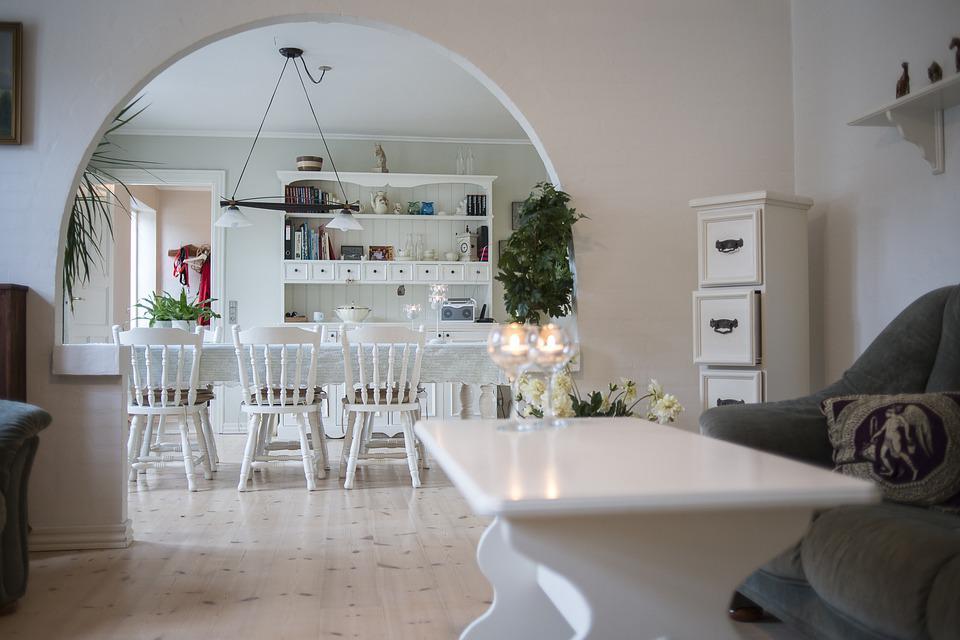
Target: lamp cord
pixel 316 120
pixel 257 137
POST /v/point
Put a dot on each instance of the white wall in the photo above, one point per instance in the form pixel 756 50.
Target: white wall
pixel 249 268
pixel 884 229
pixel 183 217
pixel 639 105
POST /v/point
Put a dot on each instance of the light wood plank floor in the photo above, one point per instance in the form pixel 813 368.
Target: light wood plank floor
pixel 380 561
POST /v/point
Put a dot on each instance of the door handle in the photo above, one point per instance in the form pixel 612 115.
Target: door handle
pixel 723 325
pixel 722 402
pixel 729 246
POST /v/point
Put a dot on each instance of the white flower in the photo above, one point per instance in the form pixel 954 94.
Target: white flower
pixel 563 406
pixel 563 383
pixel 665 409
pixel 630 390
pixel 655 389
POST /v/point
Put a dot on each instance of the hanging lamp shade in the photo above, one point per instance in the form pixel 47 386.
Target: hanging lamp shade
pixel 344 221
pixel 233 218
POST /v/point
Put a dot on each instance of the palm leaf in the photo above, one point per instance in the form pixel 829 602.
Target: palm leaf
pixel 91 219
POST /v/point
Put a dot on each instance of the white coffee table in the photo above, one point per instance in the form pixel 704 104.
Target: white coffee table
pixel 622 528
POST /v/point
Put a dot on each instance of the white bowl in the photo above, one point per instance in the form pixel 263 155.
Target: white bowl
pixel 353 314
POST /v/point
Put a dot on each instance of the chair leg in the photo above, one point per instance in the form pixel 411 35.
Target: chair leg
pixel 133 445
pixel 265 423
pixel 146 427
pixel 354 449
pixel 206 458
pixel 406 418
pixel 253 433
pixel 319 442
pixel 211 439
pixel 309 469
pixel 347 444
pixel 187 454
pixel 424 461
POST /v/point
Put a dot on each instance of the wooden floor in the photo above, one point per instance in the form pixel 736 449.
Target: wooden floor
pixel 380 561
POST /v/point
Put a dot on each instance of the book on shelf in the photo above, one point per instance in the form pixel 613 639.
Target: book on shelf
pixel 294 194
pixel 477 204
pixel 288 241
pixel 303 243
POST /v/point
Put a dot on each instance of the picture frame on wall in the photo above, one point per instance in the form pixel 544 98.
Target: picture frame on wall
pixel 351 252
pixel 11 45
pixel 515 215
pixel 380 252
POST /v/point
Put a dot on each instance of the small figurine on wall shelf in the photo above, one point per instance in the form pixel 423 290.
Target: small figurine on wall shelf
pixel 903 84
pixel 935 72
pixel 397 208
pixel 955 44
pixel 381 159
pixel 379 202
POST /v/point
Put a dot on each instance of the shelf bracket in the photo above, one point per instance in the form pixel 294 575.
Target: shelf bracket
pixel 919 129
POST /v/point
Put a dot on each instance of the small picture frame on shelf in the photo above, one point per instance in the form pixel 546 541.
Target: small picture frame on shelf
pixel 11 35
pixel 351 252
pixel 515 215
pixel 380 252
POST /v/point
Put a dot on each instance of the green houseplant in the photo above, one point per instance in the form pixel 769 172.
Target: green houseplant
pixel 91 219
pixel 166 310
pixel 535 263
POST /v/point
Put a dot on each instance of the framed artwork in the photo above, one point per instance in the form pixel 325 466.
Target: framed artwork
pixel 351 252
pixel 11 36
pixel 380 252
pixel 515 215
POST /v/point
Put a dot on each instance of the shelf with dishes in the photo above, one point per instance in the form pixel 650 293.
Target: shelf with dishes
pixel 385 271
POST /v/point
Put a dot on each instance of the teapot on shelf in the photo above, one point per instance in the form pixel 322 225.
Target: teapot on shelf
pixel 379 202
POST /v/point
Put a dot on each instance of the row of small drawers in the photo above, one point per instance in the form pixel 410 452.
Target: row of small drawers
pixel 373 271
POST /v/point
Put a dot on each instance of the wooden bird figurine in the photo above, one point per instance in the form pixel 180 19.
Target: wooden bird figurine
pixel 935 72
pixel 955 44
pixel 903 84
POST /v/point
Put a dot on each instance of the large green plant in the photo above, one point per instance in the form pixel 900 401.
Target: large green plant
pixel 91 218
pixel 535 264
pixel 157 307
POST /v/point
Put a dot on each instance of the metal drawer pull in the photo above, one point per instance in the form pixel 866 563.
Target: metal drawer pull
pixel 723 402
pixel 729 246
pixel 723 325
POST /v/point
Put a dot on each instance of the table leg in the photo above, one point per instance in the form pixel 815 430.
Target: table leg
pixel 642 576
pixel 466 402
pixel 520 608
pixel 488 401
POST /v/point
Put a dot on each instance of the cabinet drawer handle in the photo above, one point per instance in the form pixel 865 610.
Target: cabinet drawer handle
pixel 729 246
pixel 724 325
pixel 723 402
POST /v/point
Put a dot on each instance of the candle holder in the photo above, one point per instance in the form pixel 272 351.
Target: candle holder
pixel 438 295
pixel 554 350
pixel 513 348
pixel 412 313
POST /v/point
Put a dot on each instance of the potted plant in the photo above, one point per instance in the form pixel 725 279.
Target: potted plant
pixel 163 310
pixel 535 263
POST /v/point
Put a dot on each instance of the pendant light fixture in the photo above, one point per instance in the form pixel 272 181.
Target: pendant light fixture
pixel 233 217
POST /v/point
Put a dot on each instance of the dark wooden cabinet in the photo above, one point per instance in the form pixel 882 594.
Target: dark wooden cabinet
pixel 13 342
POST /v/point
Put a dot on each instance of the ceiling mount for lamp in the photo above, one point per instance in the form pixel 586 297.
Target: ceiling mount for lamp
pixel 233 217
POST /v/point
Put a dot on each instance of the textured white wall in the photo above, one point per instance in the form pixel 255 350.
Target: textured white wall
pixel 884 229
pixel 640 105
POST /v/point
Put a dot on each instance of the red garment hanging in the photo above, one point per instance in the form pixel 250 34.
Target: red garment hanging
pixel 203 294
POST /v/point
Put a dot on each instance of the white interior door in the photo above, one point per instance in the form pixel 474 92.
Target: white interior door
pixel 91 318
pixel 143 257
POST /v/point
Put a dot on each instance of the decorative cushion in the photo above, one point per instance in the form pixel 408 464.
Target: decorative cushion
pixel 909 444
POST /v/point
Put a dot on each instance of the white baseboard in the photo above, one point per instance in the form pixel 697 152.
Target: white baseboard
pixel 107 536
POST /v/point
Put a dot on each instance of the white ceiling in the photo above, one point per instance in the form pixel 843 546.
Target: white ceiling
pixel 382 84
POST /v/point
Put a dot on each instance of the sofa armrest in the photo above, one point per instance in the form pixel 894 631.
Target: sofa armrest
pixel 19 423
pixel 790 428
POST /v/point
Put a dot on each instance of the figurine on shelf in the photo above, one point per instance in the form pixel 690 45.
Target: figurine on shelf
pixel 379 202
pixel 935 72
pixel 462 207
pixel 955 44
pixel 903 84
pixel 381 159
pixel 397 208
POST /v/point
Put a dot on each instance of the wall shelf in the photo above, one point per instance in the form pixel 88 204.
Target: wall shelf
pixel 391 216
pixel 918 117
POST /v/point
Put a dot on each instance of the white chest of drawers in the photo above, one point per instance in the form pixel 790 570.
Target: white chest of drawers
pixel 751 331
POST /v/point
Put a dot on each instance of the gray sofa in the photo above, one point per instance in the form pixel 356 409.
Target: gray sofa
pixel 883 571
pixel 19 425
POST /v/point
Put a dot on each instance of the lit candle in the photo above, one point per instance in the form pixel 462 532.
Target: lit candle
pixel 514 345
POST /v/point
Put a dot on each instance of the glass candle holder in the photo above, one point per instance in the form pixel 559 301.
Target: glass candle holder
pixel 555 348
pixel 513 348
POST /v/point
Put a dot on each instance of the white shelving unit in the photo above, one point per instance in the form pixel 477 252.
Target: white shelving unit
pixel 317 285
pixel 918 116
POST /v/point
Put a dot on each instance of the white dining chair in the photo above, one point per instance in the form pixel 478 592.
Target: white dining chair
pixel 170 392
pixel 387 379
pixel 278 373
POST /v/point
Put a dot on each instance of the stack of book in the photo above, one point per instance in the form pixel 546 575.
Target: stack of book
pixel 476 205
pixel 300 242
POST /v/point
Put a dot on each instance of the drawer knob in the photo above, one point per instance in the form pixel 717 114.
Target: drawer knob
pixel 724 325
pixel 722 402
pixel 729 246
